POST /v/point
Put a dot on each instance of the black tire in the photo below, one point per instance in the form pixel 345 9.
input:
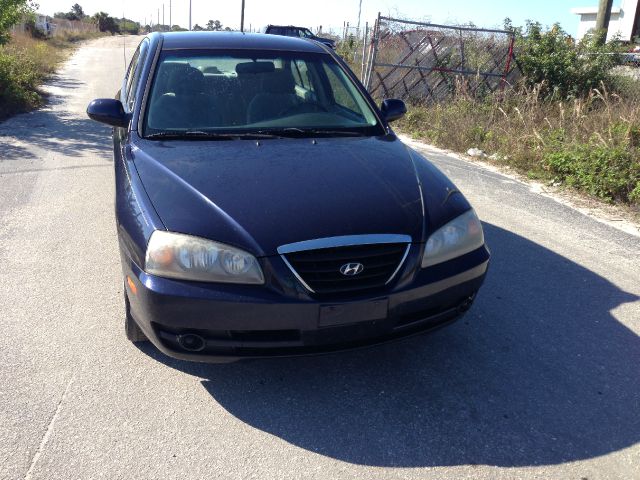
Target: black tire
pixel 131 329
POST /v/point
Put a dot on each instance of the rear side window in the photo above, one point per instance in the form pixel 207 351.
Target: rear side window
pixel 137 64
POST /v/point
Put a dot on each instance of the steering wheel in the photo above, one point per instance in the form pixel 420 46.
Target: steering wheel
pixel 306 107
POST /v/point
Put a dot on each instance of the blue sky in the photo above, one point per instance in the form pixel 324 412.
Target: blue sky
pixel 332 13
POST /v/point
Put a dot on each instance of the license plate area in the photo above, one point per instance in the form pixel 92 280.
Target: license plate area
pixel 350 313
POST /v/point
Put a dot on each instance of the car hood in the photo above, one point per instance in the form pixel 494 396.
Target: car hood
pixel 261 195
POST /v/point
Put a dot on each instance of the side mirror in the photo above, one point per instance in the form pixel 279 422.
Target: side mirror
pixel 109 111
pixel 393 109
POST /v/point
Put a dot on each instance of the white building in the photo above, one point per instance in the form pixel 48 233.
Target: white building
pixel 625 20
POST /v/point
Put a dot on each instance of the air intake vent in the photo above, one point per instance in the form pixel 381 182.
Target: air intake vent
pixel 347 269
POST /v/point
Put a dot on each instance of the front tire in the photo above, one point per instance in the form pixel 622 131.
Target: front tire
pixel 131 329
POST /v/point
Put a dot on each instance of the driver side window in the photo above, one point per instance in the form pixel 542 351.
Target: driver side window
pixel 129 78
pixel 133 78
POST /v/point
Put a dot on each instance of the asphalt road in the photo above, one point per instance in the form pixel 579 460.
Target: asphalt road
pixel 540 380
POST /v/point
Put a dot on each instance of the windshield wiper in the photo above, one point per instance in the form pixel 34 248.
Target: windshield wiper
pixel 288 132
pixel 343 133
pixel 310 132
pixel 197 134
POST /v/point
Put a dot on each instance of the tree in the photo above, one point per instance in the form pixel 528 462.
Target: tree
pixel 11 12
pixel 197 28
pixel 214 25
pixel 106 23
pixel 129 26
pixel 77 12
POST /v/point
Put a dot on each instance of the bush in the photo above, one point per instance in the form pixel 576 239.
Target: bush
pixel 563 67
pixel 18 79
pixel 607 168
pixel 25 63
pixel 603 171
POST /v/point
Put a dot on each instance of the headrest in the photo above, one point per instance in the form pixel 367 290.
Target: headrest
pixel 280 81
pixel 184 79
pixel 254 67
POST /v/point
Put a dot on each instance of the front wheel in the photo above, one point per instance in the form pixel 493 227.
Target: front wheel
pixel 131 329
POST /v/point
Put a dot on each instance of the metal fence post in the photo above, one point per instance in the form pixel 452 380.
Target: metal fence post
pixel 508 65
pixel 374 51
pixel 364 50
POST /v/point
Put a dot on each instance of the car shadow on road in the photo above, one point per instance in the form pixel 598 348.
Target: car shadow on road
pixel 539 372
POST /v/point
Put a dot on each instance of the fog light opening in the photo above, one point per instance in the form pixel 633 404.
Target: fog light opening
pixel 466 304
pixel 191 342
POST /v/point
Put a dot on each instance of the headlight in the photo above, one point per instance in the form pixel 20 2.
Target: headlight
pixel 461 235
pixel 175 255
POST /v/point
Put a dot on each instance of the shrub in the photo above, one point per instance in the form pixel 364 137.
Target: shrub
pixel 607 167
pixel 563 67
pixel 18 79
pixel 24 64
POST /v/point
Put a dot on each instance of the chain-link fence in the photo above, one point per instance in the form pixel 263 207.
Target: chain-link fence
pixel 424 62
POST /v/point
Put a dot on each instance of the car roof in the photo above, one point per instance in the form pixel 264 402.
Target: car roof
pixel 236 40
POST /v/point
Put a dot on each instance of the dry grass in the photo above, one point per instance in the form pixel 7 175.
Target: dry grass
pixel 592 143
pixel 25 63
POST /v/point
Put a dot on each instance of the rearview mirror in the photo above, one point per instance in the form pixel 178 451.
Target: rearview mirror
pixel 109 111
pixel 393 109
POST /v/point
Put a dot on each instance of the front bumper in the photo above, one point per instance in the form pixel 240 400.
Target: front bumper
pixel 238 321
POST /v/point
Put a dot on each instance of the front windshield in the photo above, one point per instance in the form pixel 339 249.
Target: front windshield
pixel 248 91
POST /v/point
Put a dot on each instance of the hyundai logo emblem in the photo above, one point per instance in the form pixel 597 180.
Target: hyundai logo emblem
pixel 351 269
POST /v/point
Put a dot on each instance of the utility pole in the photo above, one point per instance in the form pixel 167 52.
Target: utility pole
pixel 163 24
pixel 158 17
pixel 359 15
pixel 242 18
pixel 603 18
pixel 170 24
pixel 189 15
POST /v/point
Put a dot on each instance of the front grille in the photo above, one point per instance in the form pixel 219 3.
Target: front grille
pixel 319 269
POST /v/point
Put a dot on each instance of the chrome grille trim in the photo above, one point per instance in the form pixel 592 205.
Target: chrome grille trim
pixel 404 257
pixel 343 241
pixel 293 270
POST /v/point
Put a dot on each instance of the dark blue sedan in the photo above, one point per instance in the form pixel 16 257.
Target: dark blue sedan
pixel 265 207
